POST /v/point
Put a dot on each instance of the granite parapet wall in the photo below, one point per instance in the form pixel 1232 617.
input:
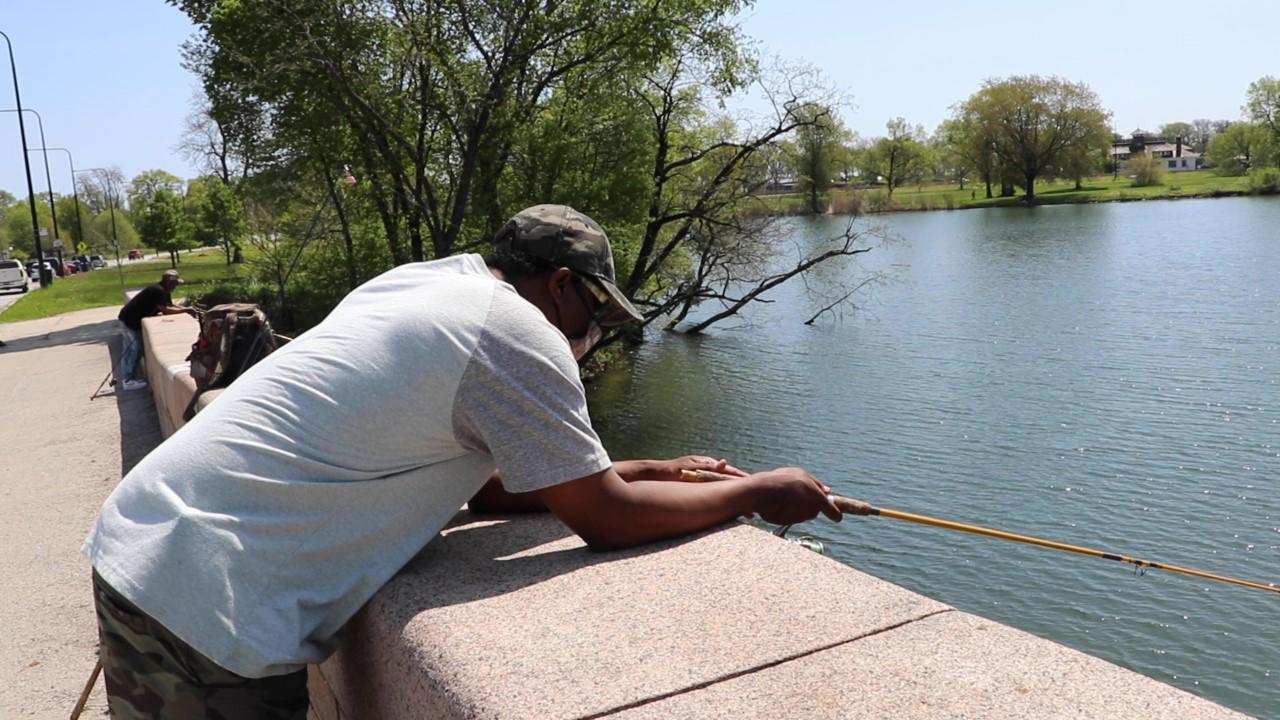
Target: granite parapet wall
pixel 514 618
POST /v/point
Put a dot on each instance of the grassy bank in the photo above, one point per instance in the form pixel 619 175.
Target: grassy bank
pixel 99 288
pixel 1103 188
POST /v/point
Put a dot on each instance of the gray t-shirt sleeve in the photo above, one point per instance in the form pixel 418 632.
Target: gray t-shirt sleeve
pixel 521 400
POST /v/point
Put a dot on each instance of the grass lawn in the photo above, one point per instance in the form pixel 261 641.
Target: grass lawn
pixel 104 286
pixel 1102 188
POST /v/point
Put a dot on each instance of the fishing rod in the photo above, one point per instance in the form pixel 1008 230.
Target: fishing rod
pixel 851 506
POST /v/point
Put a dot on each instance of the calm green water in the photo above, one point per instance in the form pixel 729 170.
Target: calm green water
pixel 1102 375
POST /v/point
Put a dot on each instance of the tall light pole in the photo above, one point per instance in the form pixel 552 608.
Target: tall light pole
pixel 111 205
pixel 46 277
pixel 48 179
pixel 80 236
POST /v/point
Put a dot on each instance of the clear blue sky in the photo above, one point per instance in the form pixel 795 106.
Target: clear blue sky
pixel 107 78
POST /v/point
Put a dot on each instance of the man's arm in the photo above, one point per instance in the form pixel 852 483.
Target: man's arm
pixel 177 310
pixel 609 513
pixel 494 499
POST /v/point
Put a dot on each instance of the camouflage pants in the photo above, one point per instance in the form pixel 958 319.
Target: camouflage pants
pixel 150 673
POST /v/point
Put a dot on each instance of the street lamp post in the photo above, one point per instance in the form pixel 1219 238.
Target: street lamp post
pixel 75 196
pixel 46 278
pixel 48 179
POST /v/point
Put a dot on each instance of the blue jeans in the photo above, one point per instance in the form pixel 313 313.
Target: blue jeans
pixel 130 352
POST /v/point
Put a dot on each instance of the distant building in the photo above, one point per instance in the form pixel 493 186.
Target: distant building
pixel 1178 156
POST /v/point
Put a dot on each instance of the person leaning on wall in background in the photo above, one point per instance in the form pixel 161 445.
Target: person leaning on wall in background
pixel 152 300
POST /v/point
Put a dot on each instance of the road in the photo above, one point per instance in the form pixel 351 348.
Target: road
pixel 67 440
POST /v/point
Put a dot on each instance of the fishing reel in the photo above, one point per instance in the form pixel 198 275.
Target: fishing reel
pixel 807 542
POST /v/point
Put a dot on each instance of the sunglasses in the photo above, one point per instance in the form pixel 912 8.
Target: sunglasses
pixel 601 308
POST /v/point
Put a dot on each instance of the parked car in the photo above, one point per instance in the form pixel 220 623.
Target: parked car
pixel 97 261
pixel 135 254
pixel 82 262
pixel 33 269
pixel 69 268
pixel 13 276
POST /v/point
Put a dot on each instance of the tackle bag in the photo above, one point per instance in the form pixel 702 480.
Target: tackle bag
pixel 232 338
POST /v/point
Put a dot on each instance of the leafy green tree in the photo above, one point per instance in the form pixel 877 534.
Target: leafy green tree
pixel 1174 130
pixel 970 140
pixel 69 221
pixel 1263 107
pixel 17 228
pixel 219 216
pixel 476 74
pixel 817 146
pixel 162 223
pixel 103 233
pixel 1032 122
pixel 900 157
pixel 1240 147
pixel 145 185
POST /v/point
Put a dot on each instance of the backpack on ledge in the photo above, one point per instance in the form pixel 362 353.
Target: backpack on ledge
pixel 232 338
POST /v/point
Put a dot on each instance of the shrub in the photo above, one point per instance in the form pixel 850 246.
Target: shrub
pixel 1146 170
pixel 1264 181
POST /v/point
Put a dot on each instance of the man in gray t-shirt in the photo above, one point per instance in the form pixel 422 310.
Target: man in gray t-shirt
pixel 231 556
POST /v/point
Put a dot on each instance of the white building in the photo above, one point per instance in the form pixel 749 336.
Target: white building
pixel 1178 156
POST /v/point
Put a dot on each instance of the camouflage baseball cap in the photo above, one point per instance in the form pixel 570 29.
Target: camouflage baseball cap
pixel 564 237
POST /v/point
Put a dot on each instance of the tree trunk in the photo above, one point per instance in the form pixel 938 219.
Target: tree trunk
pixel 1006 188
pixel 1030 197
pixel 349 245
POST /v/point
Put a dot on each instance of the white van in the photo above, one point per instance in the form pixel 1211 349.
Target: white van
pixel 13 276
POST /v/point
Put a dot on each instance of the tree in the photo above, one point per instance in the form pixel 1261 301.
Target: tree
pixel 818 143
pixel 1172 131
pixel 700 242
pixel 474 75
pixel 900 157
pixel 215 215
pixel 70 219
pixel 231 151
pixel 1202 130
pixel 1033 122
pixel 1263 107
pixel 100 190
pixel 1079 162
pixel 17 227
pixel 954 163
pixel 1239 148
pixel 145 185
pixel 162 224
pixel 1146 169
pixel 102 235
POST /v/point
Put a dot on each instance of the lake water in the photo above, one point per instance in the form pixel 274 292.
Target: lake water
pixel 1103 375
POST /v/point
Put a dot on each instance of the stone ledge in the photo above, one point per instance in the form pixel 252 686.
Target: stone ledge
pixel 952 665
pixel 516 619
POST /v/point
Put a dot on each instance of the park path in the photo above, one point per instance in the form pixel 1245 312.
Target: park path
pixel 63 447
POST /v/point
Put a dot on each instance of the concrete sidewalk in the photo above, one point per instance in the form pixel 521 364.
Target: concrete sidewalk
pixel 61 453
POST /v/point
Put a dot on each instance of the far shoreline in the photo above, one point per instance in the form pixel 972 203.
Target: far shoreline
pixel 873 200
